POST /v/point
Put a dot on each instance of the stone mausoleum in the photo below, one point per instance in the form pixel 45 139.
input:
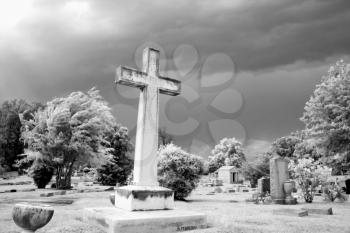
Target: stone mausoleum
pixel 230 175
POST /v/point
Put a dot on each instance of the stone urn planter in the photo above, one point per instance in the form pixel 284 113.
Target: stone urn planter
pixel 288 188
pixel 112 198
pixel 31 217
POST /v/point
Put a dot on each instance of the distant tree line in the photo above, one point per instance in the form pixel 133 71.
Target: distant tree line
pixel 58 137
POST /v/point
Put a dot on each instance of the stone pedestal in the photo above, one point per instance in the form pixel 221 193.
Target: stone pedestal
pixel 114 220
pixel 133 198
pixel 278 175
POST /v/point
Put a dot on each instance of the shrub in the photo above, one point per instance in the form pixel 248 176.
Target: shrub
pixel 178 170
pixel 333 191
pixel 41 172
pixel 309 174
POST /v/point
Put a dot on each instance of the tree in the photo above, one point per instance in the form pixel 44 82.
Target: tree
pixel 285 146
pixel 178 170
pixel 119 166
pixel 306 149
pixel 10 134
pixel 327 117
pixel 12 113
pixel 227 152
pixel 256 169
pixel 71 130
pixel 18 106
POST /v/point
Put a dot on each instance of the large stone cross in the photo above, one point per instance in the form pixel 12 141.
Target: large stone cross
pixel 150 83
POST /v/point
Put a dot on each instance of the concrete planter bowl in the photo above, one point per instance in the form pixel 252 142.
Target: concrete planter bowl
pixel 31 217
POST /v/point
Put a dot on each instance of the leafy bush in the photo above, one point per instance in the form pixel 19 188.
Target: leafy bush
pixel 309 174
pixel 334 191
pixel 117 169
pixel 178 170
pixel 41 172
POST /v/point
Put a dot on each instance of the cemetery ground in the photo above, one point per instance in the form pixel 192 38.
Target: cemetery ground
pixel 226 212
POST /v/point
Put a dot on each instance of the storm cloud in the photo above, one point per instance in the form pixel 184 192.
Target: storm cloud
pixel 280 49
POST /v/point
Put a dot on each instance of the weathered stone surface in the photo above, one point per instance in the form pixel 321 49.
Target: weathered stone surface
pixel 114 220
pixel 46 194
pixel 324 211
pixel 32 216
pixel 264 185
pixel 51 201
pixel 61 192
pixel 145 193
pixel 144 198
pixel 218 190
pixel 150 83
pixel 278 174
pixel 291 212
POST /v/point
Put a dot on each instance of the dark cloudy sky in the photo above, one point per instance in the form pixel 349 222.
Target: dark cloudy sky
pixel 248 66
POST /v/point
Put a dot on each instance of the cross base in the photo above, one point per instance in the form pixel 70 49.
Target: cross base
pixel 114 220
pixel 279 201
pixel 291 201
pixel 133 197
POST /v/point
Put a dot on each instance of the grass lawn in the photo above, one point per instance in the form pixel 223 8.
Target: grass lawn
pixel 227 212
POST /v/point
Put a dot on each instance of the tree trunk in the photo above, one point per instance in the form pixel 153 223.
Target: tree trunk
pixel 64 176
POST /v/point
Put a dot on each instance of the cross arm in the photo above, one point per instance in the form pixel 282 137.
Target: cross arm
pixel 169 86
pixel 130 77
pixel 134 78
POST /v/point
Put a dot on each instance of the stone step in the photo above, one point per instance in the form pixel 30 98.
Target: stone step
pixel 115 220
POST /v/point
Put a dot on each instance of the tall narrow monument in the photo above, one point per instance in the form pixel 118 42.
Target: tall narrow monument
pixel 278 175
pixel 145 193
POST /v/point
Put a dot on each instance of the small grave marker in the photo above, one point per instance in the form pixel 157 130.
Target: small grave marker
pixel 291 212
pixel 324 211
